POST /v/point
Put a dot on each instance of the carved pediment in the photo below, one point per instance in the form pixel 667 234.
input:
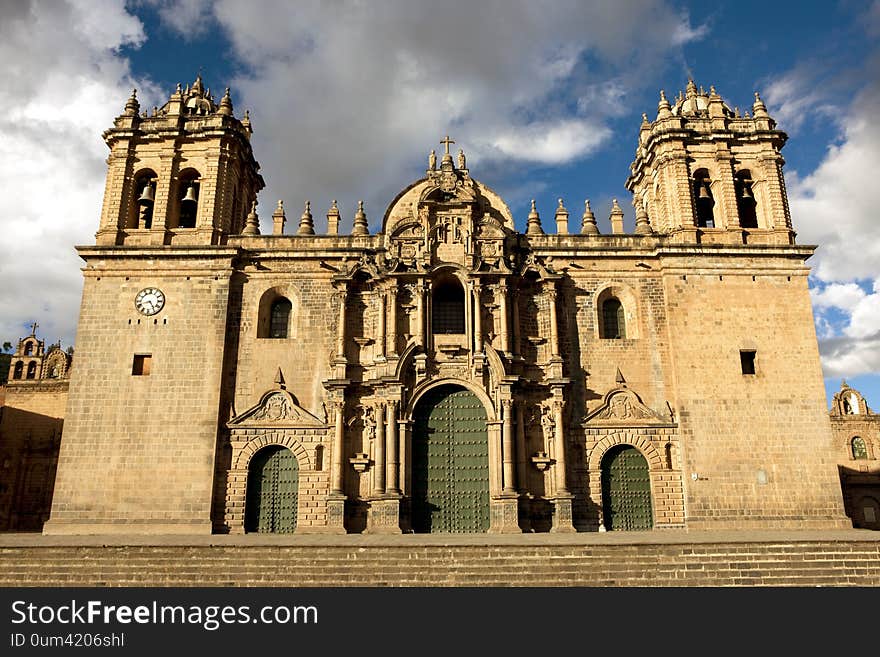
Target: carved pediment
pixel 539 267
pixel 623 406
pixel 276 407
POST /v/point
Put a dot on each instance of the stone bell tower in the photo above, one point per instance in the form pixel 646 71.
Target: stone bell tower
pixel 706 173
pixel 183 174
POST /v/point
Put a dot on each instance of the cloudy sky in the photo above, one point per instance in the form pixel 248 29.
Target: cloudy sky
pixel 347 99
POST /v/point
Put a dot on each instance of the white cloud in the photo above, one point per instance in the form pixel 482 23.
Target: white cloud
pixel 63 82
pixel 551 143
pixel 836 205
pixel 796 97
pixel 189 18
pixel 347 99
pixel 846 296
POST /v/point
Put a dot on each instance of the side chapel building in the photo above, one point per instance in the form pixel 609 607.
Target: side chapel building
pixel 447 373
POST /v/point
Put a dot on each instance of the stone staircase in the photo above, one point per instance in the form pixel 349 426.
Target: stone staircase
pixel 740 563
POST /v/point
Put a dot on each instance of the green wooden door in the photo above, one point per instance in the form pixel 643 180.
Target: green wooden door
pixel 273 484
pixel 450 463
pixel 626 489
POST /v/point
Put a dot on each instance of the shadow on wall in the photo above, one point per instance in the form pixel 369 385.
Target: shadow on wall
pixel 29 444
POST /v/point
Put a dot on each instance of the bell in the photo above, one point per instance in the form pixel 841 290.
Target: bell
pixel 147 196
pixel 746 193
pixel 704 190
pixel 190 196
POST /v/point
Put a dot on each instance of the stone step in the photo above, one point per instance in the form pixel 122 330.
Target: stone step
pixel 820 563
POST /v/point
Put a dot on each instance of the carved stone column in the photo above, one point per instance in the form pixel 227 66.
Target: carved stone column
pixel 504 508
pixel 380 351
pixel 392 320
pixel 384 511
pixel 336 499
pixel 478 319
pixel 392 484
pixel 336 461
pixel 502 310
pixel 562 518
pixel 554 327
pixel 340 331
pixel 420 312
pixel 379 453
pixel 520 447
pixel 507 447
pixel 514 328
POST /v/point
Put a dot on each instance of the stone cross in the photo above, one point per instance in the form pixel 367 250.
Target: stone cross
pixel 446 142
pixel 34 328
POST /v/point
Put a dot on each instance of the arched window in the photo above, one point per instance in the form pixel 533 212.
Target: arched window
pixel 145 197
pixel 847 409
pixel 745 200
pixel 279 318
pixel 703 199
pixel 188 193
pixel 18 370
pixel 32 370
pixel 447 314
pixel 29 349
pixel 858 447
pixel 613 321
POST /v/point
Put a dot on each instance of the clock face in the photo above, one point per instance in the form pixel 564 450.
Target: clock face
pixel 149 301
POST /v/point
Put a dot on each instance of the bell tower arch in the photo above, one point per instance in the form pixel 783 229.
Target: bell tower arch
pixel 183 174
pixel 704 172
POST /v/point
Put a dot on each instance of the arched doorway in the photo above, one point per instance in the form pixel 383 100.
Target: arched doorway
pixel 626 489
pixel 272 491
pixel 450 462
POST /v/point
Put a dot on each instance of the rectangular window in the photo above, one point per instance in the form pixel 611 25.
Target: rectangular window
pixel 747 361
pixel 141 365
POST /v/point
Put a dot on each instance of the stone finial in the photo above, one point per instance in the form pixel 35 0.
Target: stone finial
pixel 279 219
pixel 616 218
pixel 533 225
pixel 712 91
pixel 333 219
pixel 132 106
pixel 561 219
pixel 198 88
pixel 645 121
pixel 618 378
pixel 759 109
pixel 360 221
pixel 225 104
pixel 279 378
pixel 588 221
pixel 252 224
pixel 306 225
pixel 643 226
pixel 663 108
pixel 246 120
pixel 691 88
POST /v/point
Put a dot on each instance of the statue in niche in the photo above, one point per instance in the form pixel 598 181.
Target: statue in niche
pixel 547 423
pixel 461 160
pixel 432 161
pixel 369 422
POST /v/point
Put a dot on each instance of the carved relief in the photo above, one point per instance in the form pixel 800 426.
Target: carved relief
pixel 276 407
pixel 623 405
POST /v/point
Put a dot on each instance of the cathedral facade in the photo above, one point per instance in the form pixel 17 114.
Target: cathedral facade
pixel 447 373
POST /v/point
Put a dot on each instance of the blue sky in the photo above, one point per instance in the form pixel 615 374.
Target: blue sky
pixel 347 99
